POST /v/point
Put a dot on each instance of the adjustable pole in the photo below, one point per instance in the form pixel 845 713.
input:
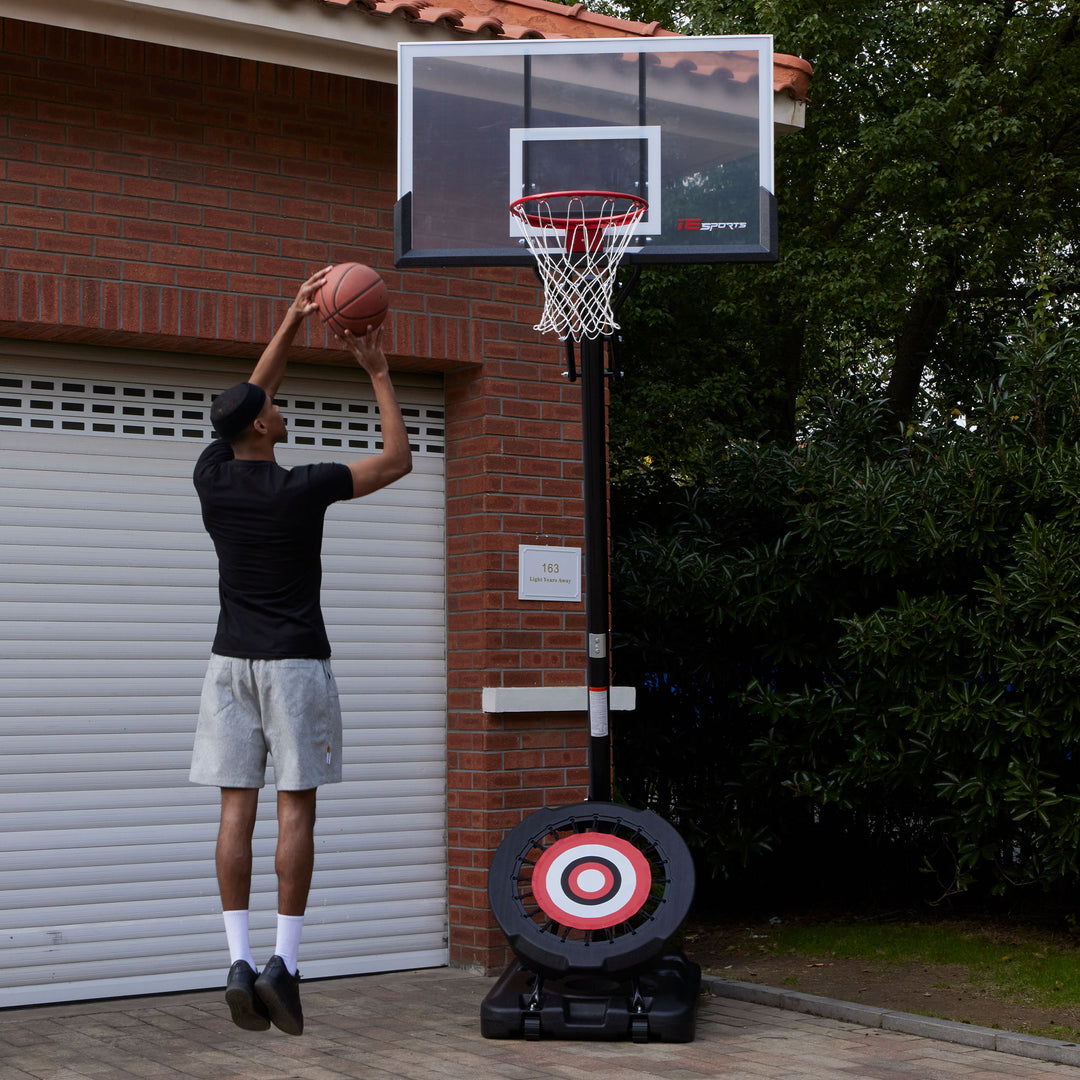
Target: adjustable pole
pixel 598 666
pixel 597 631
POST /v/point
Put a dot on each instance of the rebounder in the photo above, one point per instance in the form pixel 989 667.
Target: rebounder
pixel 589 897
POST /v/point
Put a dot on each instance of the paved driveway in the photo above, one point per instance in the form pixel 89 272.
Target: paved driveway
pixel 425 1026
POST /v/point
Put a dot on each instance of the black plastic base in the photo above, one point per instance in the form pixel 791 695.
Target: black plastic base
pixel 657 1003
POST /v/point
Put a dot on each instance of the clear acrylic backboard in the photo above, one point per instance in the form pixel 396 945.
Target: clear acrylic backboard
pixel 685 123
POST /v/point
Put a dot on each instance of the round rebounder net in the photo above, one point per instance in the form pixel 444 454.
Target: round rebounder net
pixel 593 887
pixel 578 239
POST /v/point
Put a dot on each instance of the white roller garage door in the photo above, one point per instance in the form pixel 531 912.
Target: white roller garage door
pixel 107 608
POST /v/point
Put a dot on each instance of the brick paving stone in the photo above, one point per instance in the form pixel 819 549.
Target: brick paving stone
pixel 425 1026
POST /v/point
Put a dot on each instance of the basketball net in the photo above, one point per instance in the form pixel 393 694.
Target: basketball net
pixel 578 239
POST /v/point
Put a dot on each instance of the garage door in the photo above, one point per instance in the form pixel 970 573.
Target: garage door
pixel 107 608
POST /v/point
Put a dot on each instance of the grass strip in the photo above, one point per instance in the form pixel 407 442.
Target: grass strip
pixel 1029 966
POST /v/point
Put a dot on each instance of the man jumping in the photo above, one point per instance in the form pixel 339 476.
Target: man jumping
pixel 269 687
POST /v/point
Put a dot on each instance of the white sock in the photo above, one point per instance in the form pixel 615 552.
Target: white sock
pixel 236 931
pixel 288 939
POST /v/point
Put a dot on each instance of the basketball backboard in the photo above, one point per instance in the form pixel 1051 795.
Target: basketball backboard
pixel 684 122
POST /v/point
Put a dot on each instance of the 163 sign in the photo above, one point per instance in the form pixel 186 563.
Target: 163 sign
pixel 549 573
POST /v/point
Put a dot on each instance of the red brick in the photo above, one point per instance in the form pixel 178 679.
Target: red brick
pixel 68 243
pixel 91 303
pixel 29 172
pixel 132 164
pixel 108 247
pixel 200 278
pixel 169 312
pixel 201 238
pixel 17 238
pixel 70 302
pixel 174 212
pixel 102 269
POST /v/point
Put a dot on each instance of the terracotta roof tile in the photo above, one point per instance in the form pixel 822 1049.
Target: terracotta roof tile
pixel 430 13
pixel 476 24
pixel 407 9
pixel 369 5
pixel 519 19
pixel 519 33
pixel 792 75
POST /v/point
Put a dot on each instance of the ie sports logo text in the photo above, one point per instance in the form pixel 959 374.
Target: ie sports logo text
pixel 697 225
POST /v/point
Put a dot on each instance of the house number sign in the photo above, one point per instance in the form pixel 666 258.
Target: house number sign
pixel 549 573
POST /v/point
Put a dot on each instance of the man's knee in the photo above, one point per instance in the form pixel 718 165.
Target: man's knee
pixel 296 810
pixel 239 807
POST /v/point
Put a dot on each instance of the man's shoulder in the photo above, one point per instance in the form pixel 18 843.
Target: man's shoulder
pixel 216 450
pixel 213 455
pixel 318 468
pixel 330 476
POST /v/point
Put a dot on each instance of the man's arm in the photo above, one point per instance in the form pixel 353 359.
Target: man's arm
pixel 270 369
pixel 371 473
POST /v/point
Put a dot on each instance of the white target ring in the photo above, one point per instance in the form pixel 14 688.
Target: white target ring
pixel 590 881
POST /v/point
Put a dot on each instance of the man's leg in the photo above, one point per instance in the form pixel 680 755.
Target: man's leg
pixel 295 858
pixel 278 984
pixel 232 859
pixel 294 863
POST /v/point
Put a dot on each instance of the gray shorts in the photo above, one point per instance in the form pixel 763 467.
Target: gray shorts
pixel 249 708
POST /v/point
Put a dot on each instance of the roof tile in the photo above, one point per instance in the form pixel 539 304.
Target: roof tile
pixel 407 9
pixel 520 19
pixel 429 13
pixel 477 24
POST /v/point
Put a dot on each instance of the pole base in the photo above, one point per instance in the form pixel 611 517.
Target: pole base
pixel 656 1004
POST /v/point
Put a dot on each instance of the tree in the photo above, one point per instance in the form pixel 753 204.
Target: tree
pixel 867 645
pixel 935 184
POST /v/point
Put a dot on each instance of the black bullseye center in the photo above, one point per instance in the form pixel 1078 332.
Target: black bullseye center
pixel 569 875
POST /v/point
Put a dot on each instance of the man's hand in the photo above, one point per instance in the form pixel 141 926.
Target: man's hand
pixel 304 304
pixel 367 350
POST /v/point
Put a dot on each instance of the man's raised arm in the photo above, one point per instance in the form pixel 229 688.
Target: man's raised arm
pixel 270 369
pixel 371 473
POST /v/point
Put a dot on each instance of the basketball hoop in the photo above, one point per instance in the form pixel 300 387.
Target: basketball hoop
pixel 578 239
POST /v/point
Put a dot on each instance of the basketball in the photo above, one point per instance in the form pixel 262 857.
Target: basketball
pixel 353 297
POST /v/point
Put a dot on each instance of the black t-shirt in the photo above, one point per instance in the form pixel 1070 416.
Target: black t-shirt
pixel 267 524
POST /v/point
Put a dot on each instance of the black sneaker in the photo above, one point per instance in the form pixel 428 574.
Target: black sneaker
pixel 248 1012
pixel 280 993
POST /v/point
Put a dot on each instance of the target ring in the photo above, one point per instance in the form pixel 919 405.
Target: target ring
pixel 591 881
pixel 594 887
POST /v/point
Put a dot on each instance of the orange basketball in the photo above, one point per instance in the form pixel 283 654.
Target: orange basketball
pixel 353 297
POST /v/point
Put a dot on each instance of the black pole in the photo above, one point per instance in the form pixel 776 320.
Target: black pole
pixel 598 667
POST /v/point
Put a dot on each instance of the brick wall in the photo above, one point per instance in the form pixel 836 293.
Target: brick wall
pixel 515 478
pixel 162 198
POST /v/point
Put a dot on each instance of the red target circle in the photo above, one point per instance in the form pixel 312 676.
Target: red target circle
pixel 591 880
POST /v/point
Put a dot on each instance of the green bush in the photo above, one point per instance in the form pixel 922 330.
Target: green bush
pixel 860 658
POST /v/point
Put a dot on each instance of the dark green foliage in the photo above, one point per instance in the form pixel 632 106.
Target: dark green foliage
pixel 858 636
pixel 935 182
pixel 861 654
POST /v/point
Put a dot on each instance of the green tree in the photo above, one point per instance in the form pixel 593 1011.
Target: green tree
pixel 935 183
pixel 869 644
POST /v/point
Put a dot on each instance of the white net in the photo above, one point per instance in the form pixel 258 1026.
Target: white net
pixel 578 239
